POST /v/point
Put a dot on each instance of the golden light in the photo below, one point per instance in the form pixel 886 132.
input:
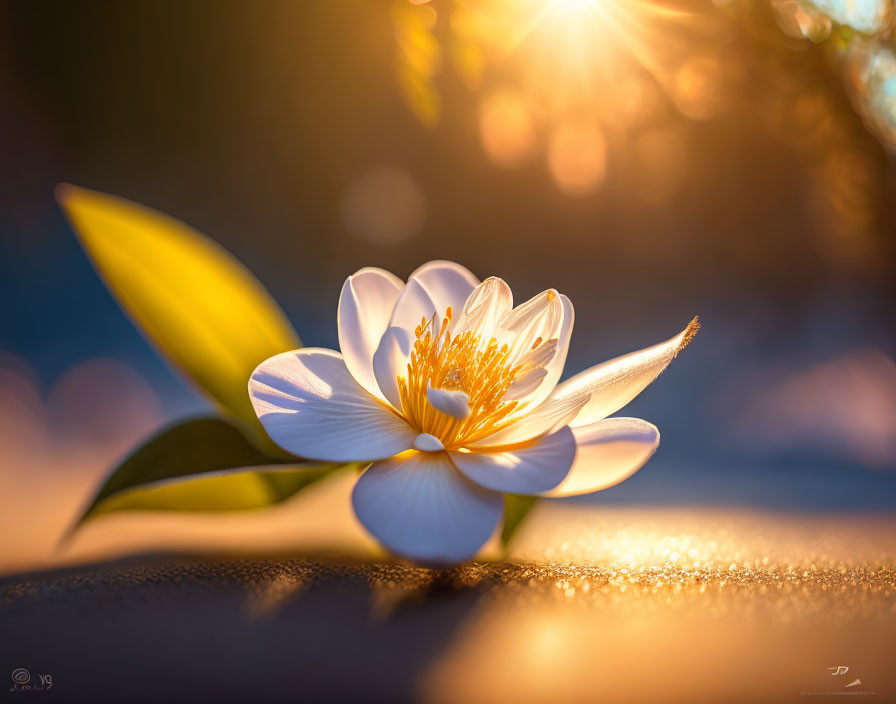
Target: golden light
pixel 567 70
pixel 506 128
pixel 577 157
pixel 698 88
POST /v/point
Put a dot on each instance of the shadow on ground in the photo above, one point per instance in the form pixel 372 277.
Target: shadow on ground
pixel 176 630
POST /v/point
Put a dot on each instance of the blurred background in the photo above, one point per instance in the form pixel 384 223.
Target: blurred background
pixel 731 159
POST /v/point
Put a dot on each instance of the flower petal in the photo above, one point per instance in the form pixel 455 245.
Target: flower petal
pixel 529 470
pixel 540 356
pixel 365 306
pixel 607 452
pixel 311 406
pixel 547 417
pixel 526 384
pixel 390 361
pixel 452 403
pixel 419 506
pixel 447 283
pixel 484 308
pixel 555 366
pixel 611 385
pixel 538 318
pixel 413 305
pixel 428 443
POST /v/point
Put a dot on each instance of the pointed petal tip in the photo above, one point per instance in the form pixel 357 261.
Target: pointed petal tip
pixel 690 332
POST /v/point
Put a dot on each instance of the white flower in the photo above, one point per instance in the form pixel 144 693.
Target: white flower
pixel 452 394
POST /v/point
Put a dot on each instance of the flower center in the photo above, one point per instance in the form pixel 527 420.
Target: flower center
pixel 484 371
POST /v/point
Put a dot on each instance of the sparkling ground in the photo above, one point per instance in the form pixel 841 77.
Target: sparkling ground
pixel 595 604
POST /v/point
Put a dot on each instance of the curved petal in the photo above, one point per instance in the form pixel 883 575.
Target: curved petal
pixel 528 470
pixel 428 443
pixel 452 403
pixel 311 406
pixel 608 452
pixel 419 506
pixel 549 416
pixel 611 385
pixel 365 306
pixel 413 305
pixel 484 308
pixel 390 361
pixel 555 366
pixel 526 384
pixel 539 318
pixel 540 356
pixel 447 283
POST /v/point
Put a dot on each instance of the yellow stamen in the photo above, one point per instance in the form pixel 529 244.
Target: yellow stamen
pixel 461 363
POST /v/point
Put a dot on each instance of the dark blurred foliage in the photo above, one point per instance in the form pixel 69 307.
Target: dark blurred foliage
pixel 264 124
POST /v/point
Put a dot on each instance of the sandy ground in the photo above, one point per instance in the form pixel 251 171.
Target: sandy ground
pixel 595 605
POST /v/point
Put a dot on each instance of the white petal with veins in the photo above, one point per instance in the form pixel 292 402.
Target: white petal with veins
pixel 419 506
pixel 311 406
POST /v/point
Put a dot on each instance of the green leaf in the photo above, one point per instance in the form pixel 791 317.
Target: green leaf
pixel 195 466
pixel 197 304
pixel 516 508
pixel 239 491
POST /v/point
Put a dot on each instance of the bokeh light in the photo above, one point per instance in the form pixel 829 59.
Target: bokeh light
pixel 577 157
pixel 698 88
pixel 506 128
pixel 384 206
